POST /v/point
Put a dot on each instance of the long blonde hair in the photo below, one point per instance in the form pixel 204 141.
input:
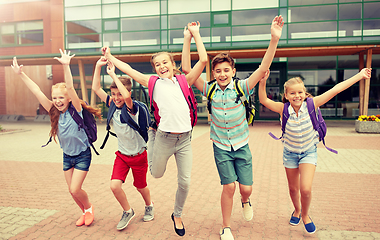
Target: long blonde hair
pixel 176 70
pixel 54 112
pixel 290 82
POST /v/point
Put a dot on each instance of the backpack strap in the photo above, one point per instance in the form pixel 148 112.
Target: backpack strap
pixel 241 96
pixel 152 104
pixel 111 110
pixel 285 117
pixel 142 130
pixel 210 94
pixel 315 122
pixel 189 96
pixel 79 120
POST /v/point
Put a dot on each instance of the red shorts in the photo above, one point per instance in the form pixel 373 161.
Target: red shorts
pixel 138 164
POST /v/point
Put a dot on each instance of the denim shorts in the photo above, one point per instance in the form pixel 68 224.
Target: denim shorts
pixel 80 162
pixel 234 165
pixel 293 160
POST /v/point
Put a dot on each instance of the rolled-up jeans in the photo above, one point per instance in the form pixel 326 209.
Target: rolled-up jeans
pixel 161 146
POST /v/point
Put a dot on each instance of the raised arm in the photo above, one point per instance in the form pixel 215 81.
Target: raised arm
pixel 96 79
pixel 123 91
pixel 65 61
pixel 45 102
pixel 196 72
pixel 270 104
pixel 276 30
pixel 326 96
pixel 126 68
pixel 185 58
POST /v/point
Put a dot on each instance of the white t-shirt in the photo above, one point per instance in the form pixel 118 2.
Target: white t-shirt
pixel 173 109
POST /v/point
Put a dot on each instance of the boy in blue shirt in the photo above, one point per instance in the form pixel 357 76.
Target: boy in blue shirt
pixel 229 128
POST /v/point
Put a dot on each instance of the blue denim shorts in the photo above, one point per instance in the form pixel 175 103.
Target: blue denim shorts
pixel 293 160
pixel 80 162
pixel 234 165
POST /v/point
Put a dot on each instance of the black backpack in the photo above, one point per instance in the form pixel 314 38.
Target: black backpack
pixel 142 127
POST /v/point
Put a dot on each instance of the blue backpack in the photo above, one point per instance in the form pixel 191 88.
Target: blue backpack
pixel 318 123
pixel 144 119
pixel 88 123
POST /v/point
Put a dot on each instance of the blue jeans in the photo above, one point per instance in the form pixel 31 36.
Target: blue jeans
pixel 80 162
pixel 293 160
pixel 161 146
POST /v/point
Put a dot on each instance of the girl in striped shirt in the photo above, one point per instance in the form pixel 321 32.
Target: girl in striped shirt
pixel 300 139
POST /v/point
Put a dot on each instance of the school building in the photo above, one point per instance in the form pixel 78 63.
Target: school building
pixel 323 41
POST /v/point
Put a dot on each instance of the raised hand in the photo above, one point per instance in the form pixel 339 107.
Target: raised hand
pixel 186 33
pixel 194 27
pixel 65 57
pixel 366 73
pixel 267 73
pixel 16 68
pixel 101 62
pixel 276 28
pixel 106 51
pixel 110 68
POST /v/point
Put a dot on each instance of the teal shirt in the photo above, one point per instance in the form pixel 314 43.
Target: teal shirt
pixel 229 127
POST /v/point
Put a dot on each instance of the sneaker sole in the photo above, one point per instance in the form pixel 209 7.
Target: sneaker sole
pixel 126 225
pixel 148 219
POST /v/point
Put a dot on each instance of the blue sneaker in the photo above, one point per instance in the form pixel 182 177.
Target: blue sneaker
pixel 310 227
pixel 295 220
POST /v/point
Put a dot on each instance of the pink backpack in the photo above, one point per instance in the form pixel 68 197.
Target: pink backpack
pixel 187 92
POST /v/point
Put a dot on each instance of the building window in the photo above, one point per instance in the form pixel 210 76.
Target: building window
pixel 22 33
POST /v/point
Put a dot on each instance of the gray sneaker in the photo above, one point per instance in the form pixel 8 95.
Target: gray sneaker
pixel 125 218
pixel 149 213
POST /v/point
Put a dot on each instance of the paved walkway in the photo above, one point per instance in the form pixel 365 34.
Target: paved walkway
pixel 35 203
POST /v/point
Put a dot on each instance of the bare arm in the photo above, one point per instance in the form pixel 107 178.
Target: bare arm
pixel 195 73
pixel 44 101
pixel 126 68
pixel 325 97
pixel 96 79
pixel 65 61
pixel 185 58
pixel 123 91
pixel 276 30
pixel 270 104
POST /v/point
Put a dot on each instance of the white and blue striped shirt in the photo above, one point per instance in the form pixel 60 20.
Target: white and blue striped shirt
pixel 299 134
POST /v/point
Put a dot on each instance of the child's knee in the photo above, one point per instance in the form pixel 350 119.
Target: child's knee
pixel 115 186
pixel 229 188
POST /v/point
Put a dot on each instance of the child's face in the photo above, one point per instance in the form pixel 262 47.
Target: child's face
pixel 163 66
pixel 223 74
pixel 296 94
pixel 60 98
pixel 117 98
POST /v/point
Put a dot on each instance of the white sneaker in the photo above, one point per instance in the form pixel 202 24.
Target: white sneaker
pixel 149 213
pixel 225 234
pixel 247 210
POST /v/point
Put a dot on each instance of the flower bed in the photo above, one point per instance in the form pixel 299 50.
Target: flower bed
pixel 368 124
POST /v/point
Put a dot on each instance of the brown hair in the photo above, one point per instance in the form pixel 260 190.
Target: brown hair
pixel 176 70
pixel 222 57
pixel 126 81
pixel 291 82
pixel 54 112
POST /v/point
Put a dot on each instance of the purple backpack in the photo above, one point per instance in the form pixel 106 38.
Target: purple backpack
pixel 318 123
pixel 88 123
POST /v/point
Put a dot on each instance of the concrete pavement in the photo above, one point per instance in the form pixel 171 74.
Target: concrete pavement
pixel 35 203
